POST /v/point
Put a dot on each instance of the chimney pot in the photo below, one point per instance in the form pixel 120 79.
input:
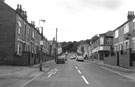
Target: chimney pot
pixel 20 6
pixel 17 6
pixel 33 23
pixel 24 12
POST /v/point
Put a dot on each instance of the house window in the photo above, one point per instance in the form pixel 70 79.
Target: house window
pixel 133 41
pixel 28 30
pixel 101 40
pixel 33 34
pixel 133 46
pixel 116 34
pixel 19 48
pixel 121 49
pixel 108 41
pixel 126 28
pixel 25 29
pixel 133 23
pixel 19 27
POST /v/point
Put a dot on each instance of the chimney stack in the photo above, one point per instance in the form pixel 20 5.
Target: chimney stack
pixel 17 6
pixel 33 23
pixel 130 14
pixel 20 6
pixel 17 9
pixel 25 13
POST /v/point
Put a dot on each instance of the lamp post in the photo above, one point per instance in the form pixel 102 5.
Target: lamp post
pixel 41 45
pixel 56 47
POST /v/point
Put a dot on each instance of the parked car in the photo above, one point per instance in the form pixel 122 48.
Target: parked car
pixel 80 58
pixel 73 57
pixel 61 59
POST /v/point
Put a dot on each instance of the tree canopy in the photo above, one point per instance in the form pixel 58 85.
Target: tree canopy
pixel 72 46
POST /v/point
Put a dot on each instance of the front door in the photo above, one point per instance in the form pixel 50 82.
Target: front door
pixel 117 58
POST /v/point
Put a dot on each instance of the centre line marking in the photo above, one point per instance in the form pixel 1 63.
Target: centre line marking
pixel 79 71
pixel 85 80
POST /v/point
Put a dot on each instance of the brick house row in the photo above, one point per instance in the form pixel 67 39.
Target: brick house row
pixel 19 39
pixel 118 46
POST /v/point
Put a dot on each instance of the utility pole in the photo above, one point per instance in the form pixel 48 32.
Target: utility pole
pixel 56 46
pixel 41 45
pixel 41 55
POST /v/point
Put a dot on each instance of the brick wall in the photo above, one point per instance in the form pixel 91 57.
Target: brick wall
pixel 7 34
pixel 112 60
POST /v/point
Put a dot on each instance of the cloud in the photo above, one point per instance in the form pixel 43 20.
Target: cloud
pixel 78 5
pixel 107 4
pixel 72 6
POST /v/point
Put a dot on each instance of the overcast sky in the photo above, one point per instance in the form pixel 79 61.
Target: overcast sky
pixel 76 19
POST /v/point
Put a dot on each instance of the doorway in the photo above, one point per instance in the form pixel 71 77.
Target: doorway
pixel 117 58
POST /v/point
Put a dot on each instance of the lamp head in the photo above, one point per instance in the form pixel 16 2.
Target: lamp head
pixel 42 20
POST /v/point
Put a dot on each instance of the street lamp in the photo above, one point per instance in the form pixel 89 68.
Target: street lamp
pixel 56 49
pixel 41 45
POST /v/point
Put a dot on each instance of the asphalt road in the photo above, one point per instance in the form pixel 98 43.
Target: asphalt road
pixel 70 74
pixel 80 74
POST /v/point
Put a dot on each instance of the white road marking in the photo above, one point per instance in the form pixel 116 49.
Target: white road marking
pixel 76 67
pixel 31 80
pixel 85 80
pixel 53 71
pixel 56 69
pixel 79 71
pixel 82 75
pixel 48 72
pixel 49 75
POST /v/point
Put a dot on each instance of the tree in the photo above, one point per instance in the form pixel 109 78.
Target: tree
pixel 72 46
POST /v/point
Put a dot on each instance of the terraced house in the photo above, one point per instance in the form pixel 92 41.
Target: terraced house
pixel 19 39
pixel 101 46
pixel 124 44
pixel 119 48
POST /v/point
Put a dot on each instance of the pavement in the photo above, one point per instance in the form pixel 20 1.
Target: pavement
pixel 118 68
pixel 126 72
pixel 24 71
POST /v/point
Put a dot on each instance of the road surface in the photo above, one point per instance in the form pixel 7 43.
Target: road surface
pixel 71 74
pixel 80 74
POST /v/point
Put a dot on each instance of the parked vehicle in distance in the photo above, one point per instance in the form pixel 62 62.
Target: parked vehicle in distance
pixel 73 57
pixel 61 59
pixel 80 58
